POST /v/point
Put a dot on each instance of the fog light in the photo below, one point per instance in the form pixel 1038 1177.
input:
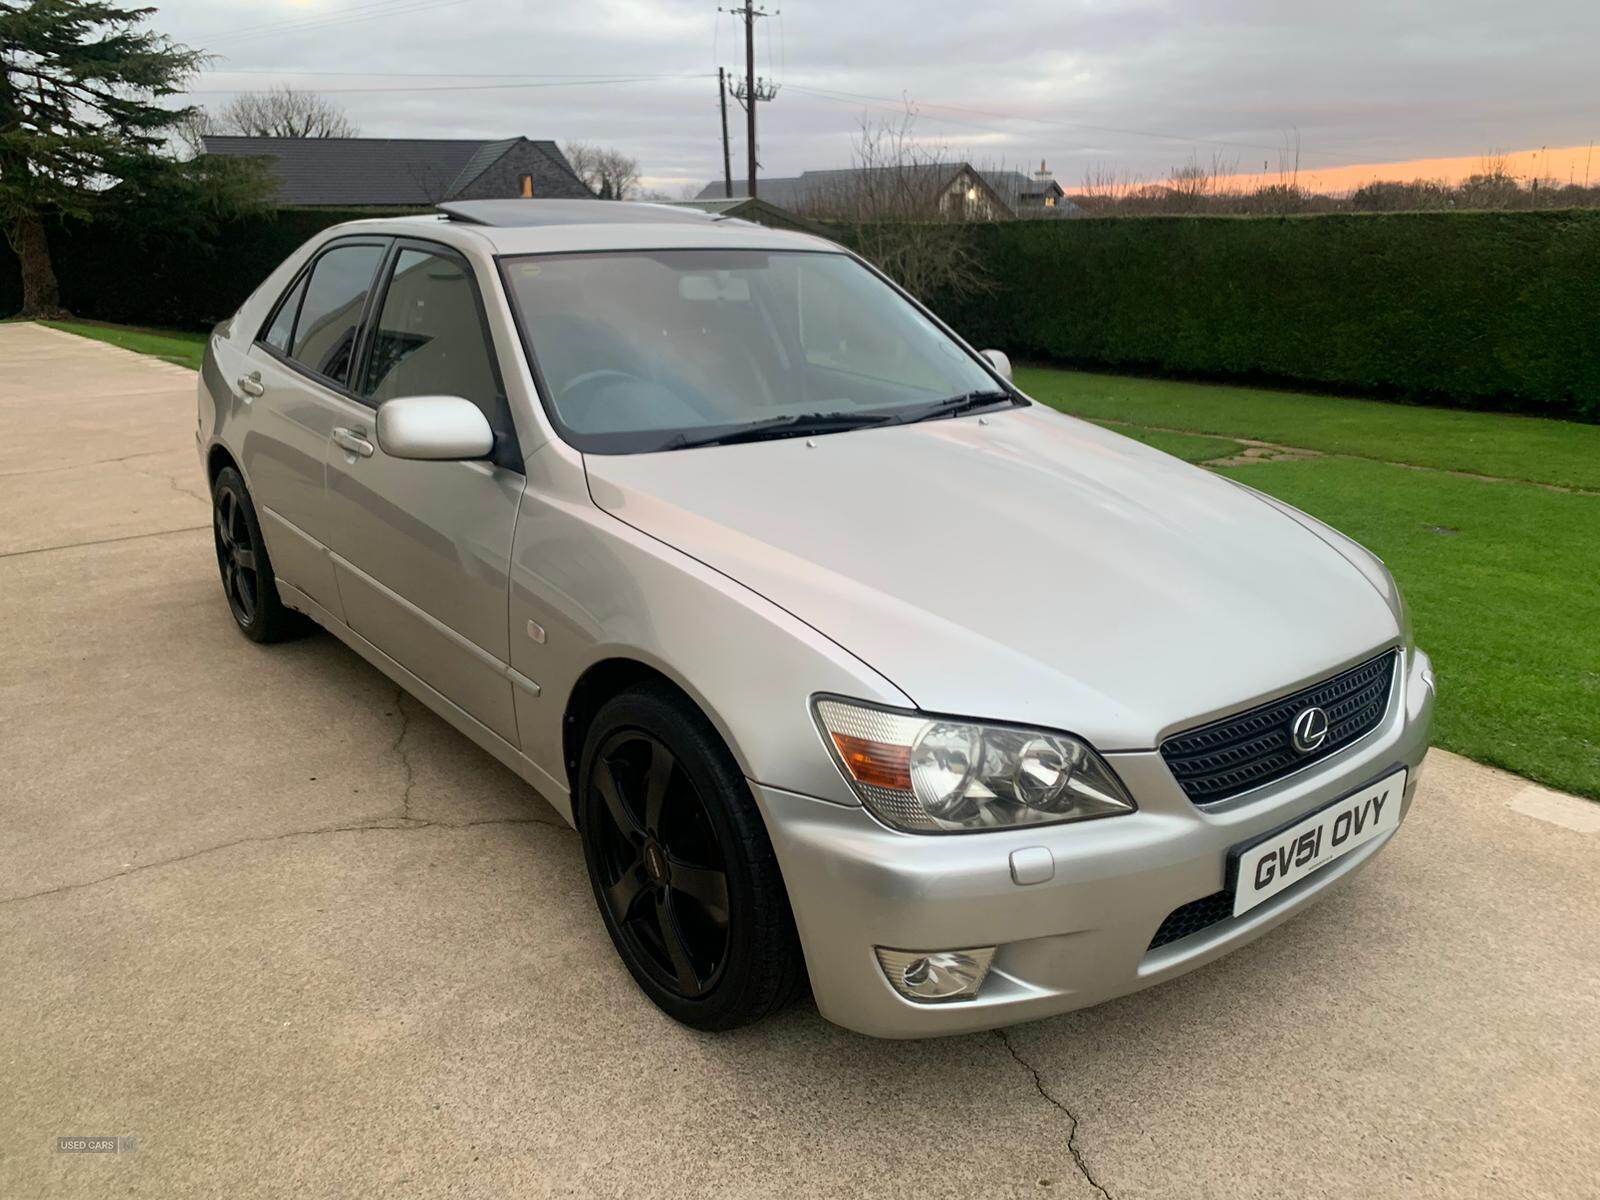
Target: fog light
pixel 930 976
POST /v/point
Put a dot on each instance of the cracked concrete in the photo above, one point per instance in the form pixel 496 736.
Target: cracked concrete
pixel 1072 1121
pixel 300 938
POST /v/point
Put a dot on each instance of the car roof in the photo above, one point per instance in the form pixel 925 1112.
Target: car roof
pixel 557 226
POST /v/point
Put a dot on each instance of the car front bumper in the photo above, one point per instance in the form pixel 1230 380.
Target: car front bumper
pixel 1082 936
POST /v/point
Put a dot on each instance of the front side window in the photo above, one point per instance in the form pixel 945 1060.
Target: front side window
pixel 330 313
pixel 429 339
pixel 660 350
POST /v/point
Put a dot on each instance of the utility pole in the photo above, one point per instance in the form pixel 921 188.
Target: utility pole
pixel 727 162
pixel 751 91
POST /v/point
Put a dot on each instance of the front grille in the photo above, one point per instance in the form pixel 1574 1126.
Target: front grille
pixel 1251 748
pixel 1193 917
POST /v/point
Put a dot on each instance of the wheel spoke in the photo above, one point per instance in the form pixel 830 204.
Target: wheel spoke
pixel 625 892
pixel 247 596
pixel 245 559
pixel 677 949
pixel 656 783
pixel 605 782
pixel 707 888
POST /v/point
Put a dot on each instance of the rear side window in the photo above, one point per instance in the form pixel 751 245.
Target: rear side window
pixel 281 330
pixel 330 312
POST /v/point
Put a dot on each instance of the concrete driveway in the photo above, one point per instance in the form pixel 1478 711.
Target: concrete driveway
pixel 296 937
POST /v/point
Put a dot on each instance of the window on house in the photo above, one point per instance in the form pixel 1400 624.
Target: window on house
pixel 525 185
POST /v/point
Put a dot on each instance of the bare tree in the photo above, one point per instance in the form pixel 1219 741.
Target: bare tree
pixel 283 112
pixel 609 173
pixel 897 198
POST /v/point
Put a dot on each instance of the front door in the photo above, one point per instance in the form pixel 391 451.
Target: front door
pixel 421 550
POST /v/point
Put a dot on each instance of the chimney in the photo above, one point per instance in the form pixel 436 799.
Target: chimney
pixel 1044 174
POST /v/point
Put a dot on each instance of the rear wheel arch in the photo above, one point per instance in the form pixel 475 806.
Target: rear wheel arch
pixel 218 458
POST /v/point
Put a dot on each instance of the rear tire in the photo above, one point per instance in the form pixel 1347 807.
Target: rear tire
pixel 682 868
pixel 247 579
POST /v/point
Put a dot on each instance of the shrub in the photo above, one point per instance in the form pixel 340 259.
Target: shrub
pixel 137 272
pixel 1481 310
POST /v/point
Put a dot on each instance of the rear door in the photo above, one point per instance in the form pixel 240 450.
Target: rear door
pixel 422 549
pixel 296 384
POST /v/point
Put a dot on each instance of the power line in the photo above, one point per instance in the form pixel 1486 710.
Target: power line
pixel 468 87
pixel 369 6
pixel 436 74
pixel 829 94
pixel 349 17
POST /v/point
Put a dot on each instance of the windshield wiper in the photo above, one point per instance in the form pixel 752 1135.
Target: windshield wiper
pixel 793 425
pixel 956 405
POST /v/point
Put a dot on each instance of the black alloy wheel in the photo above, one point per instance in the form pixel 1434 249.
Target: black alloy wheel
pixel 662 874
pixel 247 579
pixel 235 557
pixel 683 870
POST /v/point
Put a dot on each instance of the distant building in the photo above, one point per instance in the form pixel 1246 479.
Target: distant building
pixel 405 172
pixel 955 189
pixel 1036 195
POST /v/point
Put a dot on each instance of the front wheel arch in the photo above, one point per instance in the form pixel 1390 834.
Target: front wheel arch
pixel 603 681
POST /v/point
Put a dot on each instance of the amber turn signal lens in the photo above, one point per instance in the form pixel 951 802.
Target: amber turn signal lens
pixel 876 764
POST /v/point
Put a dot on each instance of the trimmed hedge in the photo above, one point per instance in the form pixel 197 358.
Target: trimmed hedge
pixel 1495 310
pixel 111 272
pixel 1483 309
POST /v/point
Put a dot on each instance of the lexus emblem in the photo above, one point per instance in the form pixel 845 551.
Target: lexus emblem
pixel 1310 730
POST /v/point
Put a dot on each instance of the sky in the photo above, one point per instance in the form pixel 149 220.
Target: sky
pixel 1349 91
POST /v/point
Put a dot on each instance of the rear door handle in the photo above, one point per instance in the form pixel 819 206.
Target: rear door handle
pixel 353 441
pixel 251 385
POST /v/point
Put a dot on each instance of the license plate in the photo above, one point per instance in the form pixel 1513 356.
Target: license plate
pixel 1264 868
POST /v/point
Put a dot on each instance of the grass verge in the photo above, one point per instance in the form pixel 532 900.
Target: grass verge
pixel 1190 447
pixel 1563 453
pixel 171 345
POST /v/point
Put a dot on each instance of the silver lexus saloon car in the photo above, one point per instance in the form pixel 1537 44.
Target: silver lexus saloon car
pixel 851 665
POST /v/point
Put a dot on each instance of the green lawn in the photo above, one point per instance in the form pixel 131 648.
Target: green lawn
pixel 174 345
pixel 1503 581
pixel 1533 448
pixel 1503 578
pixel 1188 446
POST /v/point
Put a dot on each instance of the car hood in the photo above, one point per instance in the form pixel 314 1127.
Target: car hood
pixel 1024 567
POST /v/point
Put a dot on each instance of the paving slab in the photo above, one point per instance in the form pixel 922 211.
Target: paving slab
pixel 296 937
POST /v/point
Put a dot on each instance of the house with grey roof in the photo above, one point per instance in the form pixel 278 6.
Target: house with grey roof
pixel 955 189
pixel 405 172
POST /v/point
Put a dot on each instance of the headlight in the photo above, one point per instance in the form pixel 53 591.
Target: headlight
pixel 935 775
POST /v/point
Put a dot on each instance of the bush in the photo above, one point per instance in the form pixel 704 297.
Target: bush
pixel 1482 310
pixel 135 272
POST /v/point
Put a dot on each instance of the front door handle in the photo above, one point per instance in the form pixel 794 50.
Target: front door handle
pixel 353 441
pixel 251 384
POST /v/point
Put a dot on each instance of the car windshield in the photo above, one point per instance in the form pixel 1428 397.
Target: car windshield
pixel 667 349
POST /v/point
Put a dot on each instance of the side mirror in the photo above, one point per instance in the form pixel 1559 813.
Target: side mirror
pixel 433 428
pixel 999 361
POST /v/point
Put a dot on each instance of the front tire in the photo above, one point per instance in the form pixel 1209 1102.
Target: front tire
pixel 682 868
pixel 247 579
